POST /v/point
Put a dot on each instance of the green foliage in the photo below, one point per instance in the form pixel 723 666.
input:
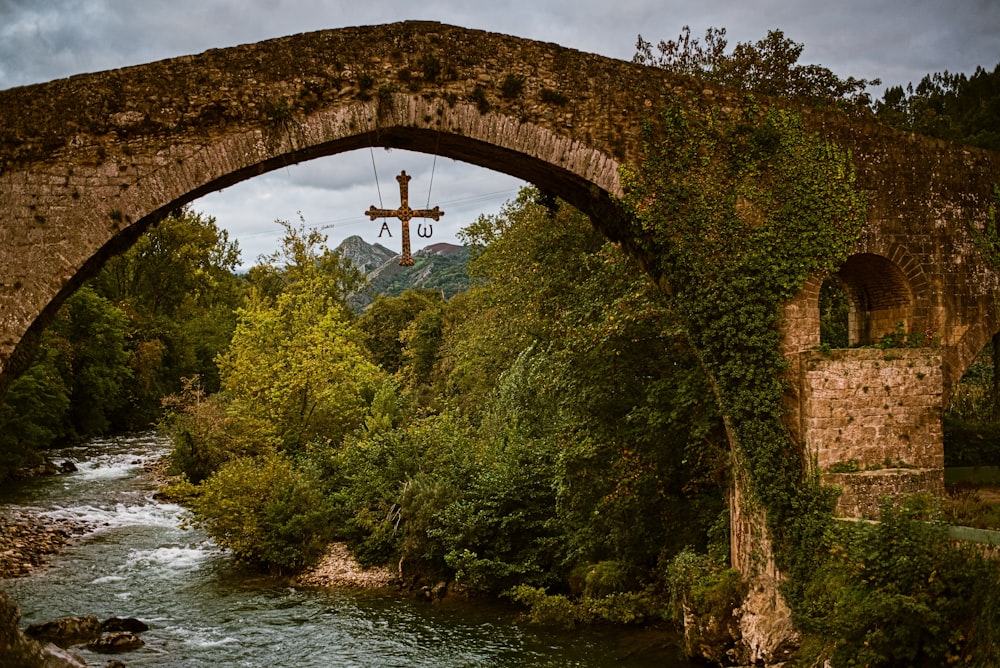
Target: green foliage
pixel 76 384
pixel 545 609
pixel 478 96
pixel 176 286
pixel 295 359
pixel 512 86
pixel 298 364
pixel 955 107
pixel 266 511
pixel 987 240
pixel 430 66
pixel 442 273
pixel 385 321
pixel 702 585
pixel 550 96
pixel 34 412
pixel 304 261
pixel 899 593
pixel 769 66
pixel 739 209
pixel 560 610
pixel 99 361
pixel 970 442
pixel 966 506
pixel 834 309
pixel 160 311
pixel 900 338
pixel 388 485
pixel 206 433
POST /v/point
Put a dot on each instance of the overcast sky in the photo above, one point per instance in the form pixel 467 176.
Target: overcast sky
pixel 897 41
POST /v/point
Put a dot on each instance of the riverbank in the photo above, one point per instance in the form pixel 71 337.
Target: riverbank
pixel 28 540
pixel 338 568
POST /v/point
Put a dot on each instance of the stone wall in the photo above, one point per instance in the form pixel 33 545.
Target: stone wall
pixel 870 420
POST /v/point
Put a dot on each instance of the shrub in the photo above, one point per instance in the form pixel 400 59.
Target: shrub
pixel 205 434
pixel 553 97
pixel 900 593
pixel 431 66
pixel 544 609
pixel 512 86
pixel 266 511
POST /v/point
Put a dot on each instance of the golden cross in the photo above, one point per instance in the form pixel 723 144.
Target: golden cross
pixel 404 213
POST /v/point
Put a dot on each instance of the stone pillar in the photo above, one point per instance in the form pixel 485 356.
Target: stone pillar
pixel 870 420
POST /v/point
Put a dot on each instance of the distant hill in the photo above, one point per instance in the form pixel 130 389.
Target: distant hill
pixel 437 267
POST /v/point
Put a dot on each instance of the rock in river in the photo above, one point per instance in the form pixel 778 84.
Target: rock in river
pixel 116 641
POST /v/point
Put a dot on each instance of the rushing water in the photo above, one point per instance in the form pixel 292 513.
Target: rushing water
pixel 142 561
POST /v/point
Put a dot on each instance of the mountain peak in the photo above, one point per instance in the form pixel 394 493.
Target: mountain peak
pixel 362 255
pixel 440 266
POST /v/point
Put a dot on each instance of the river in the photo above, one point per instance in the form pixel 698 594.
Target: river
pixel 142 560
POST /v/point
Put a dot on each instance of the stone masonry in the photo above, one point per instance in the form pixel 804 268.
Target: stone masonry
pixel 871 423
pixel 88 163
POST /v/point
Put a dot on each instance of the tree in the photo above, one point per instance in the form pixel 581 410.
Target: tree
pixel 948 106
pixel 769 66
pixel 567 346
pixel 181 266
pixel 265 510
pixel 159 311
pixel 178 288
pixel 304 256
pixel 387 318
pixel 99 362
pixel 295 358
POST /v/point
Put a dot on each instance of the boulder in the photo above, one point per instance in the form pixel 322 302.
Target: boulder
pixel 54 656
pixel 16 649
pixel 66 631
pixel 130 624
pixel 767 634
pixel 116 641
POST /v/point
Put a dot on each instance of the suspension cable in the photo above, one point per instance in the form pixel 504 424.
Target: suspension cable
pixel 437 142
pixel 377 187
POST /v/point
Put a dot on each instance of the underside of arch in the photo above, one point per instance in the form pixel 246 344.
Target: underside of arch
pixel 880 295
pixel 580 175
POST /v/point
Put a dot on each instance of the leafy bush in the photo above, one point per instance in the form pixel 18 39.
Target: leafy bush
pixel 206 434
pixel 899 593
pixel 545 609
pixel 266 511
pixel 703 585
pixel 560 610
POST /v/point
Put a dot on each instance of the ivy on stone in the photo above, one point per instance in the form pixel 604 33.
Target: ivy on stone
pixel 738 207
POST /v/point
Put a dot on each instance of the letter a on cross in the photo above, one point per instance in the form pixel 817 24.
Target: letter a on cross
pixel 404 213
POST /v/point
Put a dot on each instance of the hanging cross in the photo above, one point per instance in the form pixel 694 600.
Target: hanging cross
pixel 404 213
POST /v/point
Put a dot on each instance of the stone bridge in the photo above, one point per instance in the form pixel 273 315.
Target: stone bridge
pixel 88 163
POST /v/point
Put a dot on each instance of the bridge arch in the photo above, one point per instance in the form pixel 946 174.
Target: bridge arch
pixel 880 295
pixel 88 163
pixel 585 177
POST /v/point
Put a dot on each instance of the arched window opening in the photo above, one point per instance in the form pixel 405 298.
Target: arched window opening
pixel 879 296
